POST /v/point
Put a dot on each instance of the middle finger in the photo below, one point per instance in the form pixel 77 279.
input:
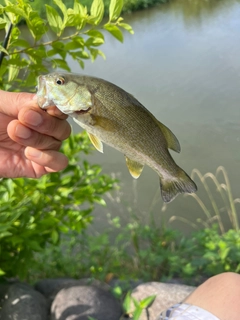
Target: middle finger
pixel 30 138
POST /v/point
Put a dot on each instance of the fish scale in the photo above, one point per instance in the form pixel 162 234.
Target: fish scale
pixel 111 115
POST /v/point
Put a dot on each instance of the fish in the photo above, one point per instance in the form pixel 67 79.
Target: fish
pixel 113 116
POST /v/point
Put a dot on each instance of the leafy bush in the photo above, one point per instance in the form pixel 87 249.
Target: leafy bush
pixel 36 212
pixel 144 252
pixel 208 253
pixel 70 31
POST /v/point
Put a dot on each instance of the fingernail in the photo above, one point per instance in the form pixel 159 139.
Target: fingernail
pixel 35 153
pixel 33 118
pixel 23 132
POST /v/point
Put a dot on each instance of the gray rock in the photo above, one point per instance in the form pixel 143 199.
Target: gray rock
pixel 50 287
pixel 81 302
pixel 23 303
pixel 167 295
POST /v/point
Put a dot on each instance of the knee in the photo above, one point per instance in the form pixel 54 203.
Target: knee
pixel 225 280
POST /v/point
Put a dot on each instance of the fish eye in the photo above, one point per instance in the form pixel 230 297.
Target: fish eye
pixel 60 81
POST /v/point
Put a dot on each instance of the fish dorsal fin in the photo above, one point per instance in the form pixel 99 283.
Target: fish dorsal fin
pixel 172 141
pixel 135 168
pixel 96 142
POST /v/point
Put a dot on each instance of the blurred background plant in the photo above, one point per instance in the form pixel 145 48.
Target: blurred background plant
pixel 143 250
pixel 72 31
pixel 35 213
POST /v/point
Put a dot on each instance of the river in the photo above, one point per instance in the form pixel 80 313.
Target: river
pixel 183 64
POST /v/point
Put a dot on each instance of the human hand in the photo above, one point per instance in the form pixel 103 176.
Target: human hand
pixel 30 137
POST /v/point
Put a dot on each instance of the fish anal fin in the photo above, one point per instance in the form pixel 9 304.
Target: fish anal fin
pixel 172 141
pixel 135 168
pixel 96 142
pixel 172 186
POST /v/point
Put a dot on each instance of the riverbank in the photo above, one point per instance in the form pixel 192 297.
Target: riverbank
pixel 89 299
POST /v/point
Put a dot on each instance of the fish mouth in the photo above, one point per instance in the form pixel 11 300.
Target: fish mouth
pixel 42 93
pixel 83 111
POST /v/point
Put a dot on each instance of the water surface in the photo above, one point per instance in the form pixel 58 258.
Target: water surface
pixel 183 64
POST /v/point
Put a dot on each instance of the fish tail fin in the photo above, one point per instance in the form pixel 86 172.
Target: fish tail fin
pixel 172 186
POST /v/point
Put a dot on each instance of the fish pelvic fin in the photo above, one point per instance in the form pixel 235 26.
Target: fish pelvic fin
pixel 172 140
pixel 171 187
pixel 135 168
pixel 96 142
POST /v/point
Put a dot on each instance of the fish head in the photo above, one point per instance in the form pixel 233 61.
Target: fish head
pixel 63 91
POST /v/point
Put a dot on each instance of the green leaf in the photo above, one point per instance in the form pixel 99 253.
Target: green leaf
pixel 81 63
pixel 2 23
pixel 3 50
pixel 147 301
pixel 17 11
pixel 117 292
pixel 12 72
pixel 54 236
pixel 72 45
pixel 2 272
pixel 127 303
pixel 97 11
pixel 54 20
pixel 127 27
pixel 115 9
pixel 115 31
pixel 94 42
pixel 63 8
pixel 20 43
pixel 95 34
pixel 137 313
pixel 80 9
pixel 61 64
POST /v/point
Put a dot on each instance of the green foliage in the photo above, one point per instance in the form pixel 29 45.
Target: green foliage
pixel 35 213
pixel 208 253
pixel 138 251
pixel 66 31
pixel 133 308
pixel 144 252
pixel 128 5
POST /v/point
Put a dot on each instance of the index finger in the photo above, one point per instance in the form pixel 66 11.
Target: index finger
pixel 12 102
pixel 54 111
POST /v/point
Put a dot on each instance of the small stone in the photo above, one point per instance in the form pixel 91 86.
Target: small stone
pixel 167 294
pixel 23 303
pixel 81 302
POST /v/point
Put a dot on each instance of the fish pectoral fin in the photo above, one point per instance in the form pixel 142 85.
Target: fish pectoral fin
pixel 172 141
pixel 105 123
pixel 96 142
pixel 135 168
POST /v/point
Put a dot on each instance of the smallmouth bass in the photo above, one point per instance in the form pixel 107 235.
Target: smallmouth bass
pixel 111 115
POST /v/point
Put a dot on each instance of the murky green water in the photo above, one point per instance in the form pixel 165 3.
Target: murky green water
pixel 183 64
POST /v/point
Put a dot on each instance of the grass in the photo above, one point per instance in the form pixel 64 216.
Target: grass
pixel 218 203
